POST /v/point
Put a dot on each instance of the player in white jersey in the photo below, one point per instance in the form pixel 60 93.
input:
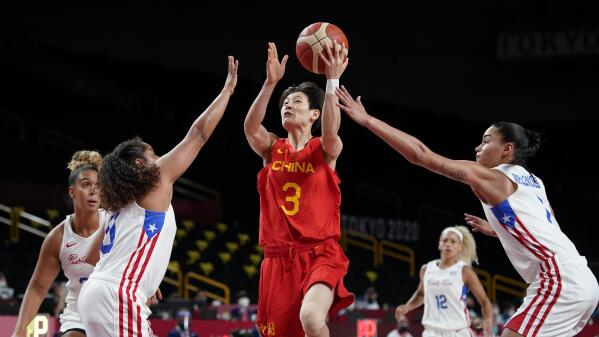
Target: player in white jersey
pixel 66 246
pixel 444 286
pixel 563 291
pixel 543 256
pixel 137 186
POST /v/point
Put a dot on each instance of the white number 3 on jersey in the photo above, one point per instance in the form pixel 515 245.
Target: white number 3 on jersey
pixel 109 235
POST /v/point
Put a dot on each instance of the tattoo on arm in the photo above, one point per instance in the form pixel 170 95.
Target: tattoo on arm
pixel 458 174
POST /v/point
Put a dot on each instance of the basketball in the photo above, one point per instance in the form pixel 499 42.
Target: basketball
pixel 313 39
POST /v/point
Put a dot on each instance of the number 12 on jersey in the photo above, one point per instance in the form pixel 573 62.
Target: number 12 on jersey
pixel 441 301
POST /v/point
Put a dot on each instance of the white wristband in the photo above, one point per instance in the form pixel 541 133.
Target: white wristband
pixel 332 84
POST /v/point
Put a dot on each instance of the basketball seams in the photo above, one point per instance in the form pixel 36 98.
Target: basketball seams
pixel 314 39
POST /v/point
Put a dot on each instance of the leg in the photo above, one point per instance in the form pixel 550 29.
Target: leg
pixel 314 310
pixel 98 305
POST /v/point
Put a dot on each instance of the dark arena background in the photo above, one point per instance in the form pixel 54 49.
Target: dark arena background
pixel 90 77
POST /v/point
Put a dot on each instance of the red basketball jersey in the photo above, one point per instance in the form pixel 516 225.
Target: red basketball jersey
pixel 299 195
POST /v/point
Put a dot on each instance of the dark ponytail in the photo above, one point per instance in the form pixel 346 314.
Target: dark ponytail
pixel 526 142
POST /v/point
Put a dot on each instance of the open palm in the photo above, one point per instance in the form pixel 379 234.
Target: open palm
pixel 479 225
pixel 354 108
pixel 275 69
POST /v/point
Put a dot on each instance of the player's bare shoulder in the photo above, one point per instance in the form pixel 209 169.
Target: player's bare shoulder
pixel 53 241
pixel 56 232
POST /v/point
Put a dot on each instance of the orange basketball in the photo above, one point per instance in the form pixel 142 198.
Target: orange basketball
pixel 313 39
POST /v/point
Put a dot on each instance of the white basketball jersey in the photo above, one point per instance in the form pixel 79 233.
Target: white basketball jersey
pixel 525 226
pixel 136 249
pixel 445 297
pixel 72 256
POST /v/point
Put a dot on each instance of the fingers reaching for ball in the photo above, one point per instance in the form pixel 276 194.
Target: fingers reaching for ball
pixel 335 60
pixel 309 46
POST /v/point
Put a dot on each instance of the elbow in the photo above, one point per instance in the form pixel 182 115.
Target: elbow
pixel 422 156
pixel 251 121
pixel 37 287
pixel 199 134
pixel 249 128
pixel 417 157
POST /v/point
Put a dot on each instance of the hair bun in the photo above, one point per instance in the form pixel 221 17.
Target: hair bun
pixel 85 157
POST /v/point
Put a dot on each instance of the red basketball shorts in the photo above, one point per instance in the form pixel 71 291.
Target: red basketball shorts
pixel 286 274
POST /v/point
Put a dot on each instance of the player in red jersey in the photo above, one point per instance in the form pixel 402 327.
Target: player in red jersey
pixel 301 277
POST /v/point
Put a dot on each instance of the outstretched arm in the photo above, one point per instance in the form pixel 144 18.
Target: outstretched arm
pixel 176 161
pixel 335 61
pixel 415 301
pixel 491 185
pixel 258 137
pixel 45 272
pixel 472 281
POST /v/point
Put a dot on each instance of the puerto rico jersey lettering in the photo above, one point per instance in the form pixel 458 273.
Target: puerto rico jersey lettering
pixel 445 297
pixel 527 229
pixel 73 249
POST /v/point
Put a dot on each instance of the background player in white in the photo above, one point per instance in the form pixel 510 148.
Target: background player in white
pixel 137 186
pixel 444 286
pixel 563 291
pixel 66 246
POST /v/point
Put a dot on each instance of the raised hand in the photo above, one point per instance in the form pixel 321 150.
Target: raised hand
pixel 353 108
pixel 335 61
pixel 275 69
pixel 231 80
pixel 479 225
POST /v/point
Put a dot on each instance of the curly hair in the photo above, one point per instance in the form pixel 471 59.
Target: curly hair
pixel 121 179
pixel 468 252
pixel 82 161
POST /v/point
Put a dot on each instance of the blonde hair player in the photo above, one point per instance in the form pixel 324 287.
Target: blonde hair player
pixel 563 291
pixel 444 286
pixel 65 247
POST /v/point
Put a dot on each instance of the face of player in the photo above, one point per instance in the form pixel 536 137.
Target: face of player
pixel 85 191
pixel 150 155
pixel 492 151
pixel 296 112
pixel 450 246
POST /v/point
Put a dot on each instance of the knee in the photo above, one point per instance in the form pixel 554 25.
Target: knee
pixel 312 318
